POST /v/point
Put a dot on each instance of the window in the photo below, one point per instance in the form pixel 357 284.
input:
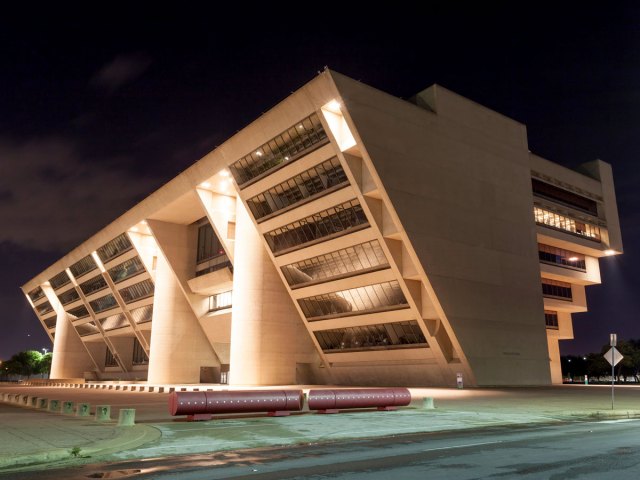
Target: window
pixel 556 289
pixel 59 280
pixel 137 291
pixel 354 301
pixel 110 359
pixel 298 140
pixel 142 314
pixel 139 355
pixel 559 195
pixel 384 336
pixel 220 301
pixel 50 322
pixel 126 269
pixel 209 246
pixel 339 219
pixel 564 258
pixel 93 285
pixel 360 258
pixel 103 303
pixel 313 183
pixel 83 266
pixel 69 296
pixel 87 329
pixel 36 294
pixel 115 247
pixel 44 308
pixel 551 319
pixel 113 322
pixel 560 222
pixel 78 312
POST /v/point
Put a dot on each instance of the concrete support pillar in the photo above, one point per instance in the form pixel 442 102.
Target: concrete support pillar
pixel 178 346
pixel 263 318
pixel 70 358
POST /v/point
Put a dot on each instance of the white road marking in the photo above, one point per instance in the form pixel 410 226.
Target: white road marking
pixel 462 446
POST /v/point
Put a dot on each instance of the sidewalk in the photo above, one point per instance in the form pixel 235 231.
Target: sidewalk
pixel 36 439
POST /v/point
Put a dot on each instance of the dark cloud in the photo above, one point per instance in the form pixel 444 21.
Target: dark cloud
pixel 120 71
pixel 63 198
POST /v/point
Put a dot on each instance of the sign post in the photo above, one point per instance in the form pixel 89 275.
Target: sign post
pixel 613 356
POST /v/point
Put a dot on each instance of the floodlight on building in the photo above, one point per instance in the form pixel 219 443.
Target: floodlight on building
pixel 610 252
pixel 333 106
pixel 205 185
pixel 224 173
pixel 573 259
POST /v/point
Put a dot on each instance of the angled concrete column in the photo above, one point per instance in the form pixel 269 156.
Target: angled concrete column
pixel 178 346
pixel 263 316
pixel 70 358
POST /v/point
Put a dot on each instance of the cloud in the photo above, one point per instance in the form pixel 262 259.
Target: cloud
pixel 51 199
pixel 120 71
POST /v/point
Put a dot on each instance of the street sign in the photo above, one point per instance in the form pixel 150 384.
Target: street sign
pixel 613 339
pixel 613 356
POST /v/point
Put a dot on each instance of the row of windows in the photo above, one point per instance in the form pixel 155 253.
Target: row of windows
pixel 115 247
pixel 354 301
pixel 137 291
pixel 559 256
pixel 557 289
pixel 44 308
pixel 68 296
pixel 36 294
pixel 322 224
pixel 83 266
pixel 93 285
pixel 220 301
pixel 307 185
pixel 142 314
pixel 551 319
pixel 59 280
pixel 551 219
pixel 113 322
pixel 50 322
pixel 363 257
pixel 103 303
pixel 371 337
pixel 78 312
pixel 560 195
pixel 126 269
pixel 286 147
pixel 85 329
pixel 209 245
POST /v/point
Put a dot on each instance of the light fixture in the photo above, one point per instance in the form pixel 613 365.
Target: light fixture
pixel 134 229
pixel 334 105
pixel 610 252
pixel 259 153
pixel 573 259
pixel 205 184
pixel 224 173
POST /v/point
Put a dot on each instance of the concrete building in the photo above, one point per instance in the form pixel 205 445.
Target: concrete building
pixel 347 237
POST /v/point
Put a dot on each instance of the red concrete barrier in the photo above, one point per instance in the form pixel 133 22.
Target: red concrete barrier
pixel 201 405
pixel 331 401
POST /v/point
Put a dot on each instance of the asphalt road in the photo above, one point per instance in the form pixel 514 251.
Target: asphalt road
pixel 589 450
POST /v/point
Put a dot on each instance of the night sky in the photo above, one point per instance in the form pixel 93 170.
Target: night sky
pixel 97 110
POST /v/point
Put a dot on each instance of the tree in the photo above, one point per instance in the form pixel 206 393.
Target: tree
pixel 45 364
pixel 25 363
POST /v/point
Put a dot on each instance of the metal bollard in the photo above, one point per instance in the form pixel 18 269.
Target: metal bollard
pixel 67 408
pixel 427 403
pixel 127 417
pixel 83 410
pixel 103 413
pixel 54 406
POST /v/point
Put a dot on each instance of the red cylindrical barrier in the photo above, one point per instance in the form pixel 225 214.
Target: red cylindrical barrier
pixel 358 398
pixel 235 401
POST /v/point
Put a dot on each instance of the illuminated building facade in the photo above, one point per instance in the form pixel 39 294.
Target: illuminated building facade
pixel 346 237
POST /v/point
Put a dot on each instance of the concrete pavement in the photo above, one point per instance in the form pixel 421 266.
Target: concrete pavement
pixel 37 439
